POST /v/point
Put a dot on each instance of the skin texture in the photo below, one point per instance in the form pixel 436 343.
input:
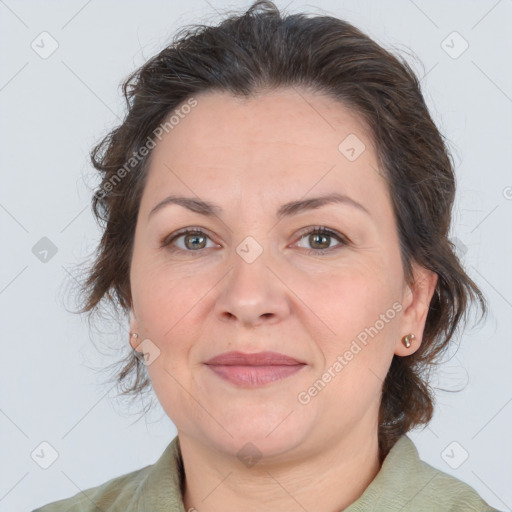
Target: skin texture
pixel 250 157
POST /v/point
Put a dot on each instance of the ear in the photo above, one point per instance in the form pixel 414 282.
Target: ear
pixel 416 301
pixel 134 328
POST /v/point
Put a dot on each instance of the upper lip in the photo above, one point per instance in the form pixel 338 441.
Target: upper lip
pixel 254 359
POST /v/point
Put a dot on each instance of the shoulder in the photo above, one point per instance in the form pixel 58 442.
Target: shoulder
pixel 449 493
pixel 408 484
pixel 111 495
pixel 430 488
pixel 153 487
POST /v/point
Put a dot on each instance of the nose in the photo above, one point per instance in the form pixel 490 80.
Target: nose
pixel 252 294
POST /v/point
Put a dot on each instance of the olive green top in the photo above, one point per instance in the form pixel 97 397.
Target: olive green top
pixel 404 483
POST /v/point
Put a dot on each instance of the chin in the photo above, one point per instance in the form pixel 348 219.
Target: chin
pixel 255 446
pixel 258 436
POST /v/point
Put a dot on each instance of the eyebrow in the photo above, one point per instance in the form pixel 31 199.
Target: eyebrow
pixel 286 210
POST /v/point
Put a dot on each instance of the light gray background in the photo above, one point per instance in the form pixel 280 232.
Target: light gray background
pixel 53 110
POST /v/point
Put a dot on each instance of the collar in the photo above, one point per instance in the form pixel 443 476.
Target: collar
pixel 403 483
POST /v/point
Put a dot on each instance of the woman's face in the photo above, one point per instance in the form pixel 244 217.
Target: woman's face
pixel 257 277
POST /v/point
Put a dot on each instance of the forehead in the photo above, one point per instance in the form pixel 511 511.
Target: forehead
pixel 280 143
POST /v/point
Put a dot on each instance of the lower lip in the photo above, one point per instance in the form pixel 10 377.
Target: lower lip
pixel 254 376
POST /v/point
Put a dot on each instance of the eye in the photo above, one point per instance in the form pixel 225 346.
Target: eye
pixel 320 239
pixel 195 239
pixel 192 240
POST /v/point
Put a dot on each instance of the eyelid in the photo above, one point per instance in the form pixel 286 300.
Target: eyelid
pixel 168 240
pixel 324 230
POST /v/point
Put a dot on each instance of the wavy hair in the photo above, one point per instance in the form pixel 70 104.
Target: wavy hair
pixel 262 49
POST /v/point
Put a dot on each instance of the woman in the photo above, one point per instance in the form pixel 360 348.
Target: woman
pixel 276 205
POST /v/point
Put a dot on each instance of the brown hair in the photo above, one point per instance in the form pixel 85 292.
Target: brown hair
pixel 262 49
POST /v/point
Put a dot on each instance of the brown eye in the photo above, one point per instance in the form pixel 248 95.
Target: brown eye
pixel 320 239
pixel 187 240
pixel 194 241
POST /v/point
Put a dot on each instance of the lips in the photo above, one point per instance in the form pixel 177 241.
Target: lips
pixel 257 359
pixel 253 370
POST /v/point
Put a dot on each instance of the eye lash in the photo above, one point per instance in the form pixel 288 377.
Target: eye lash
pixel 167 241
pixel 322 230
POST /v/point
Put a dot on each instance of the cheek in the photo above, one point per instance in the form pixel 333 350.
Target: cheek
pixel 357 359
pixel 162 295
pixel 167 313
pixel 349 298
pixel 362 312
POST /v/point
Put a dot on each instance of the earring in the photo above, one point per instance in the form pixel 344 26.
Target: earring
pixel 135 351
pixel 406 340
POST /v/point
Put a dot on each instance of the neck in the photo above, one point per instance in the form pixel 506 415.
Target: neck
pixel 326 480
